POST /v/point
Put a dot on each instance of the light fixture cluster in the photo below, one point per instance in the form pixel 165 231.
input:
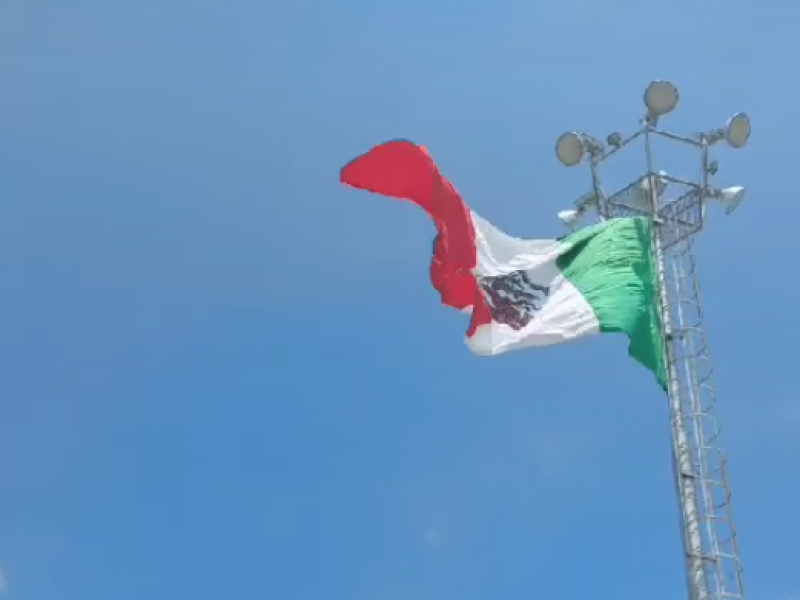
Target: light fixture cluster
pixel 660 98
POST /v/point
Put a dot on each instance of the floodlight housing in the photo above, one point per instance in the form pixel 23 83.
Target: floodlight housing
pixel 737 130
pixel 731 197
pixel 660 97
pixel 661 182
pixel 614 140
pixel 569 217
pixel 570 149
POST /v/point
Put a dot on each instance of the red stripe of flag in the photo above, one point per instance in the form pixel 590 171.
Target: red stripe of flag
pixel 401 169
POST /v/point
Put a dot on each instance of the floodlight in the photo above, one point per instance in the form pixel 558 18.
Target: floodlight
pixel 570 149
pixel 661 97
pixel 569 218
pixel 641 198
pixel 731 197
pixel 737 131
pixel 614 140
pixel 661 182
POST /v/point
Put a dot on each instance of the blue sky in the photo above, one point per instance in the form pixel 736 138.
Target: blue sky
pixel 225 376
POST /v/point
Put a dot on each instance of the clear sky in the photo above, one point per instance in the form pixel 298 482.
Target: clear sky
pixel 226 376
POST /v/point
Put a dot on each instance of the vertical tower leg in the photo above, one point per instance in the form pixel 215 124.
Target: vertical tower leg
pixel 683 465
pixel 709 523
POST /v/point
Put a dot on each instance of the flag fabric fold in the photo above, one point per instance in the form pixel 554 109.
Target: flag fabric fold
pixel 525 293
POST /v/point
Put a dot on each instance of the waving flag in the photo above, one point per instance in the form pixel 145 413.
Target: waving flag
pixel 525 293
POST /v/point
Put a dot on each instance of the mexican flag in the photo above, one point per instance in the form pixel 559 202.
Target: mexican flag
pixel 525 293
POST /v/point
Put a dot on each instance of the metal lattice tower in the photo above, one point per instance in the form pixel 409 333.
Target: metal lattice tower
pixel 713 567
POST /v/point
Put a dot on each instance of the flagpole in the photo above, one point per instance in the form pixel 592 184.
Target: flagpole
pixel 681 451
pixel 710 546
